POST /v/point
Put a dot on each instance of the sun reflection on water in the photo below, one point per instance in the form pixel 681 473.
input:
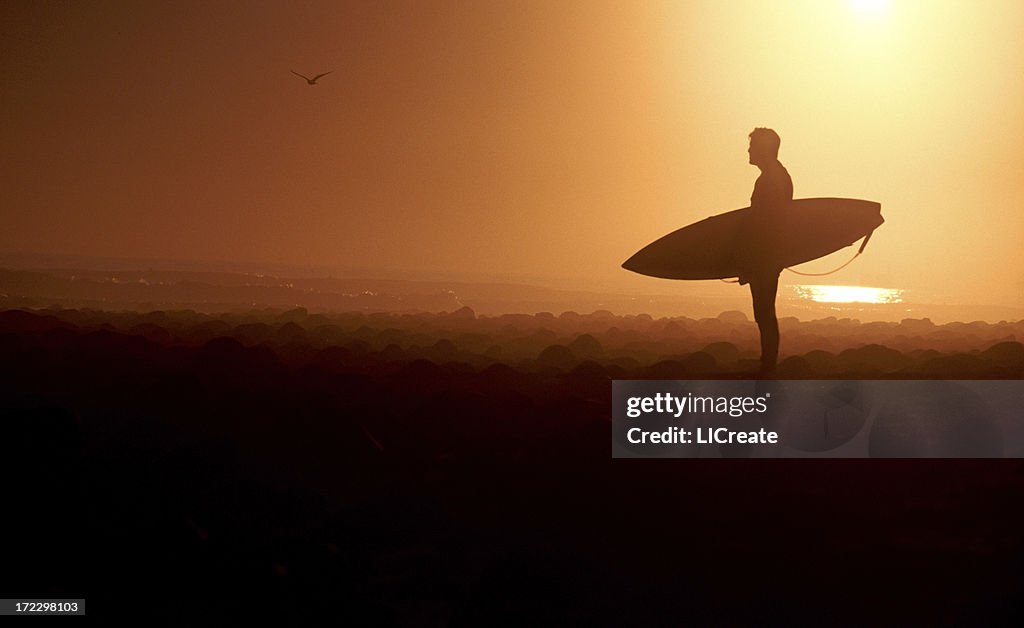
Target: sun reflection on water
pixel 849 294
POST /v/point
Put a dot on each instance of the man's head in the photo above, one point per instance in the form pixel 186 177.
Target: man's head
pixel 764 146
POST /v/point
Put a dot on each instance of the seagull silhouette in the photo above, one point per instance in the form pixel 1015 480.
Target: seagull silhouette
pixel 311 81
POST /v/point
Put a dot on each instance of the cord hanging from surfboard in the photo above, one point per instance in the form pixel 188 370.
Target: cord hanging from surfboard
pixel 834 270
pixel 848 262
pixel 797 272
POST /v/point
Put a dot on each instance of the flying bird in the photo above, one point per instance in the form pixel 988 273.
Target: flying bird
pixel 311 81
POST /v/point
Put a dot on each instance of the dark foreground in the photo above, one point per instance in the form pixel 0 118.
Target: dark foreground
pixel 300 470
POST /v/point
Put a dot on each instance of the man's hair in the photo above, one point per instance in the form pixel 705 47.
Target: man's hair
pixel 766 137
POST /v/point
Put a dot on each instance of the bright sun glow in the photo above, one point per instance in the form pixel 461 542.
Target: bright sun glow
pixel 869 7
pixel 849 294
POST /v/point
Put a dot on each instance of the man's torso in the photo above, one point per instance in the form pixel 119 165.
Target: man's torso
pixel 773 189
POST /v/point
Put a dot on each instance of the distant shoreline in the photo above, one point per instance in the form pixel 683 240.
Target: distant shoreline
pixel 210 291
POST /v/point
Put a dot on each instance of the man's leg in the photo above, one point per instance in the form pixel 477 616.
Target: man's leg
pixel 763 288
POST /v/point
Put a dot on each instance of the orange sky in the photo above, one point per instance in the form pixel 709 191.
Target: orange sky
pixel 514 140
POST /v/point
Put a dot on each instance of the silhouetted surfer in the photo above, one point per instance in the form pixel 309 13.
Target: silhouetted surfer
pixel 773 190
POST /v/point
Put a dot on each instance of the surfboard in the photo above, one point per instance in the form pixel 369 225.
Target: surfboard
pixel 715 247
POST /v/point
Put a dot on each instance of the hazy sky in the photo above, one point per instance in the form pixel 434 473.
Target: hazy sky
pixel 516 139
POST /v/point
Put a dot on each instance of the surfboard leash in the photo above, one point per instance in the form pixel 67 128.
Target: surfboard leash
pixel 797 272
pixel 834 270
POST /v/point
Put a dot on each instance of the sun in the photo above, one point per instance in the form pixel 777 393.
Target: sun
pixel 869 8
